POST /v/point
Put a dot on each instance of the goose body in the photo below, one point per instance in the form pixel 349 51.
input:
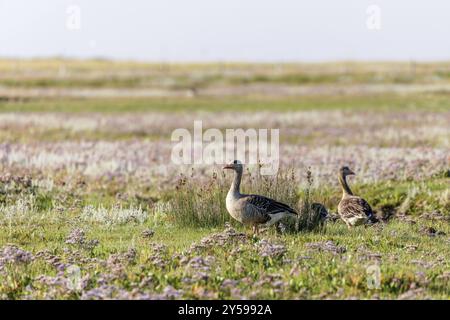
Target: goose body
pixel 253 209
pixel 320 211
pixel 352 209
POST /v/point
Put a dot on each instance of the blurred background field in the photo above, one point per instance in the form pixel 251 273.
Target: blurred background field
pixel 102 78
pixel 385 112
pixel 113 120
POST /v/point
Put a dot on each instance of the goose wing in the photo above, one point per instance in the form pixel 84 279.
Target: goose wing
pixel 268 206
pixel 355 207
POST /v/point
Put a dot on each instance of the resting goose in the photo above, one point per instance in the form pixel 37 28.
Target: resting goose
pixel 253 209
pixel 320 211
pixel 352 209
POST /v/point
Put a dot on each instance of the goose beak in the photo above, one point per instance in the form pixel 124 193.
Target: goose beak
pixel 351 172
pixel 228 166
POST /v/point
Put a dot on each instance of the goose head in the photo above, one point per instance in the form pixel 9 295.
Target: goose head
pixel 345 171
pixel 236 165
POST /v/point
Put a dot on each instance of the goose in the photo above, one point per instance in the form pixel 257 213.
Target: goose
pixel 316 215
pixel 320 210
pixel 253 209
pixel 352 209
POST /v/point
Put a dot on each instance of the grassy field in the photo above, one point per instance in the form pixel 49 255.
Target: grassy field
pixel 91 206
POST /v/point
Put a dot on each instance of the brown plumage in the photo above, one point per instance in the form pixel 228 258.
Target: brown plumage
pixel 352 209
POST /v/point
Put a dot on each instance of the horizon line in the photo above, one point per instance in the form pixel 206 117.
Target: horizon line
pixel 219 61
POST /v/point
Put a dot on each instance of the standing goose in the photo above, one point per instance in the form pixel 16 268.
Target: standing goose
pixel 253 209
pixel 352 209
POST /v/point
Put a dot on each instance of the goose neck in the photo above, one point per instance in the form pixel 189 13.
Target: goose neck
pixel 236 184
pixel 346 191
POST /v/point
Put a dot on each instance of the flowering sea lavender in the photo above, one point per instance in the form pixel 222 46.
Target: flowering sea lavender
pixel 114 215
pixel 158 258
pixel 272 250
pixel 76 236
pixel 51 259
pixel 228 236
pixel 329 246
pixel 11 254
pixel 148 233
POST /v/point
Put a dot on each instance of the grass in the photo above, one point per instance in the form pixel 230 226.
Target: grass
pixel 380 102
pixel 195 204
pixel 331 263
pixel 301 273
pixel 61 73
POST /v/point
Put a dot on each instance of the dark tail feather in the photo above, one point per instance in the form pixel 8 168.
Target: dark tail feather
pixel 373 219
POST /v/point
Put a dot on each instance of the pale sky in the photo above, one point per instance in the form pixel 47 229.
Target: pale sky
pixel 226 30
